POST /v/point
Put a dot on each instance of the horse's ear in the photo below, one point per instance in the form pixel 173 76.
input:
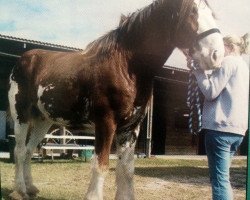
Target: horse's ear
pixel 122 19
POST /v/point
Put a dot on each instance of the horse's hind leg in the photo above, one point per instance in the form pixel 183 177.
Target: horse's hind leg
pixel 125 166
pixel 40 128
pixel 21 131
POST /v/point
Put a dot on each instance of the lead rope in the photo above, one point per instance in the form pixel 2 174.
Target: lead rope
pixel 194 102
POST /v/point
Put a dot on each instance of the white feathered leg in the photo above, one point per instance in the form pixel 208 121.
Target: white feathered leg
pixel 38 132
pixel 95 190
pixel 21 131
pixel 125 169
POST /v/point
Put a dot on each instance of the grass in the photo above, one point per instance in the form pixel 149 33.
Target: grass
pixel 171 179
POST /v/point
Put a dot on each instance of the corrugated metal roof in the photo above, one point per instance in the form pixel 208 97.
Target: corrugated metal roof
pixel 38 42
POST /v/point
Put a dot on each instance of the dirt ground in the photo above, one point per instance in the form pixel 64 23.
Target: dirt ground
pixel 155 179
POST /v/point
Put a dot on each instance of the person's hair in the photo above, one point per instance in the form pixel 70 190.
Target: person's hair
pixel 241 42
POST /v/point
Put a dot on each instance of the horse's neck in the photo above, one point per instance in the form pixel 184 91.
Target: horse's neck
pixel 151 46
pixel 149 33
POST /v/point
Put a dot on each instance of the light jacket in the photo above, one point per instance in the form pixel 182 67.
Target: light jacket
pixel 226 93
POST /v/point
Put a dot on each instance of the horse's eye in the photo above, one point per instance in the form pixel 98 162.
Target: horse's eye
pixel 195 47
pixel 195 10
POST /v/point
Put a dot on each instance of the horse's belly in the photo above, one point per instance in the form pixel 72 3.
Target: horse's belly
pixel 63 107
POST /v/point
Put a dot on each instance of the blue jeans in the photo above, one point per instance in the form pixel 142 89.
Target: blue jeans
pixel 220 148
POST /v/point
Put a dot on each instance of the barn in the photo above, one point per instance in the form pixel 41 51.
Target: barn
pixel 165 129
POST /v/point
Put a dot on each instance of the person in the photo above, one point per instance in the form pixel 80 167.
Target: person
pixel 225 112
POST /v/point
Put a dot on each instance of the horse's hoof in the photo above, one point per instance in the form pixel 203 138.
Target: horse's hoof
pixel 19 196
pixel 32 191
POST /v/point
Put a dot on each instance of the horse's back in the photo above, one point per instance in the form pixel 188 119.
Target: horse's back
pixel 39 59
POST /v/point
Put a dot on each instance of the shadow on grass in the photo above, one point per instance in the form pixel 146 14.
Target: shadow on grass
pixel 6 192
pixel 5 160
pixel 191 175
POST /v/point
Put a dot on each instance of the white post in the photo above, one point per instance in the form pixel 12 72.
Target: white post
pixel 64 140
pixel 149 127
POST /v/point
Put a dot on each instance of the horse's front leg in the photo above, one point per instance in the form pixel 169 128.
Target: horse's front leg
pixel 125 165
pixel 105 130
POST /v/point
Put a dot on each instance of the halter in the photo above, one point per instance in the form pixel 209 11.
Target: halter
pixel 207 33
pixel 193 96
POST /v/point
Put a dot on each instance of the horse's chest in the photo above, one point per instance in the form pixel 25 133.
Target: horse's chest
pixel 63 104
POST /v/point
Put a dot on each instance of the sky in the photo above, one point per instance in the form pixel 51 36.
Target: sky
pixel 75 23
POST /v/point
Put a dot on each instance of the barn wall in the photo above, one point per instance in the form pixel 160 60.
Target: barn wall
pixel 170 119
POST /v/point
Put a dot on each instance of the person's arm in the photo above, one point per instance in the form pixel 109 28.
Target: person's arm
pixel 212 86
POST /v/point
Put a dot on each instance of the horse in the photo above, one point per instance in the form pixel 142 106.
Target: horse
pixel 108 84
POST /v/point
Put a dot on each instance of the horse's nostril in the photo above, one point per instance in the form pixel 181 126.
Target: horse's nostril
pixel 214 55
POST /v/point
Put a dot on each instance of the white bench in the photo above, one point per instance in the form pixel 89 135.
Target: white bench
pixel 71 137
pixel 50 146
pixel 67 146
pixel 62 142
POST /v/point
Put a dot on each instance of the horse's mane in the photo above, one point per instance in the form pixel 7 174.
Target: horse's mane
pixel 133 23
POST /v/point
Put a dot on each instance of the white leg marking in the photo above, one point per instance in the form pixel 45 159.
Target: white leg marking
pixel 37 134
pixel 21 131
pixel 125 170
pixel 95 190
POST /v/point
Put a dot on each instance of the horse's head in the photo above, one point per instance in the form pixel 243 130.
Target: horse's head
pixel 200 33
